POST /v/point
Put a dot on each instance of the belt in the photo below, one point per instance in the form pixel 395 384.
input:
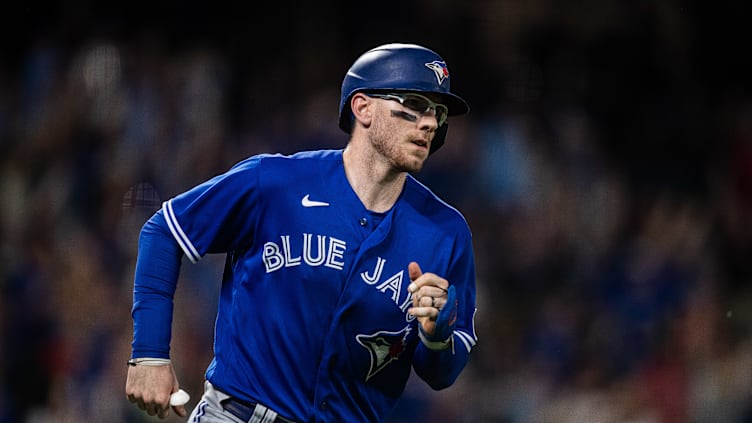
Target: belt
pixel 252 413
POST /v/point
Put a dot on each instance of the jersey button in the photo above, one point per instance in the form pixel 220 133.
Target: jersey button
pixel 324 404
pixel 363 221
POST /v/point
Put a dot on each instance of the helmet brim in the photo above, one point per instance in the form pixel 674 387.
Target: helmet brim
pixel 456 105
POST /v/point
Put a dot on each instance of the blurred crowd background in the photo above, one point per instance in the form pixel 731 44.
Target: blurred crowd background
pixel 605 170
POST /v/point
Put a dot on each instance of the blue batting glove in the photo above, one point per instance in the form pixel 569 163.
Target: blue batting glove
pixel 445 323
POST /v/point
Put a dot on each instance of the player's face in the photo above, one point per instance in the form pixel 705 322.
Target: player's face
pixel 401 135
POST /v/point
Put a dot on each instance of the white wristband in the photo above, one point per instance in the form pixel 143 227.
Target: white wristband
pixel 434 345
pixel 148 361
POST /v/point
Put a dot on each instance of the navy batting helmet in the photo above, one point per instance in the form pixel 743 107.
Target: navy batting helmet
pixel 400 68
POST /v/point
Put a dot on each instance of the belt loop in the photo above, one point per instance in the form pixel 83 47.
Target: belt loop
pixel 262 414
pixel 270 416
pixel 259 411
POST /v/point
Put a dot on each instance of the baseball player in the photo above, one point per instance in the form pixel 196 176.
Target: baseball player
pixel 343 271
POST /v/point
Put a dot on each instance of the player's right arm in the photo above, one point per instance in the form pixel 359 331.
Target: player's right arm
pixel 215 216
pixel 155 281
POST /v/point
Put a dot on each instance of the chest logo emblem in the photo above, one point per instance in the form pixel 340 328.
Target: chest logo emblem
pixel 383 347
pixel 307 202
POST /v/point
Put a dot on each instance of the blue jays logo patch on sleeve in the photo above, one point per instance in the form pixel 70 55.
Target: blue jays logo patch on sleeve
pixel 384 347
pixel 440 69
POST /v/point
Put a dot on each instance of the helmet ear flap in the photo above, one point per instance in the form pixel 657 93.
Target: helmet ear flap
pixel 346 116
pixel 438 138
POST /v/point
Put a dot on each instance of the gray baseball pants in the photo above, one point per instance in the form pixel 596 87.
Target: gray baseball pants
pixel 211 410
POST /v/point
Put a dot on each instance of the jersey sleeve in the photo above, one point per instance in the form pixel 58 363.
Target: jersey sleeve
pixel 218 215
pixel 441 368
pixel 156 275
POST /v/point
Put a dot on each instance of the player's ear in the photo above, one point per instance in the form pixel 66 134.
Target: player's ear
pixel 360 105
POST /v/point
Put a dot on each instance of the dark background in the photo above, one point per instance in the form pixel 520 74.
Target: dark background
pixel 605 170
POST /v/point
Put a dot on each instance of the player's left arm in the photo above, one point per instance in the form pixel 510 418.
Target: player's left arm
pixel 445 310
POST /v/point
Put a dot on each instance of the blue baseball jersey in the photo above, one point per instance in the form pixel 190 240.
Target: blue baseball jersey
pixel 312 317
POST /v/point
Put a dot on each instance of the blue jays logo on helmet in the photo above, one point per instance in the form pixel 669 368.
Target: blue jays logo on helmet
pixel 400 68
pixel 440 69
